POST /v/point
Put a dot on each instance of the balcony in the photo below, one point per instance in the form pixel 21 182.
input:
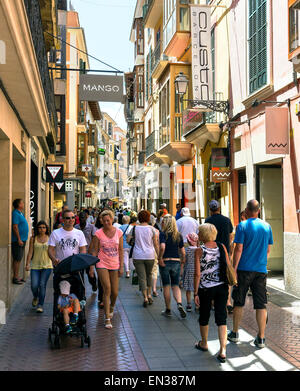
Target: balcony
pixel 160 61
pixel 178 151
pixel 152 11
pixel 152 146
pixel 201 127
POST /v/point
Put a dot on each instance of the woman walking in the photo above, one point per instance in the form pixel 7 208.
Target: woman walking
pixel 108 246
pixel 41 265
pixel 145 247
pixel 210 272
pixel 171 251
pixel 126 228
pixel 189 269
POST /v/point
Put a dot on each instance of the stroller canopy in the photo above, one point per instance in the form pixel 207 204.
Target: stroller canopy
pixel 75 263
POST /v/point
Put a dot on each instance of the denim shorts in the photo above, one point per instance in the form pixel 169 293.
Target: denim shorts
pixel 170 274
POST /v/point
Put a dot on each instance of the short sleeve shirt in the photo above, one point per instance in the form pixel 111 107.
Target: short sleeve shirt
pixel 224 228
pixel 19 219
pixel 109 250
pixel 255 235
pixel 172 247
pixel 89 231
pixel 65 301
pixel 67 243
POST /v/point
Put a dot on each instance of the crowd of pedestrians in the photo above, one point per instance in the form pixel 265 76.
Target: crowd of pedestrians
pixel 203 259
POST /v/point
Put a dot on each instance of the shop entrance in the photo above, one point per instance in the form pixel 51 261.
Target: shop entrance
pixel 269 187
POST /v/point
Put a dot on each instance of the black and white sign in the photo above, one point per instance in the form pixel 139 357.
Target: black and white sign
pixel 69 185
pixel 54 173
pixel 59 187
pixel 201 54
pixel 101 88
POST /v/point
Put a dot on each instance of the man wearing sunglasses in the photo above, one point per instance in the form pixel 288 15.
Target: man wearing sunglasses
pixel 66 241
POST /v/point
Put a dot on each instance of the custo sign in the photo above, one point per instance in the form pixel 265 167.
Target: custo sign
pixel 101 88
pixel 201 53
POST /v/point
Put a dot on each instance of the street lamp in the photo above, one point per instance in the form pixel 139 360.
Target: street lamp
pixel 181 84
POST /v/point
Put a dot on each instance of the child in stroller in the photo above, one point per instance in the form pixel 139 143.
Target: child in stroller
pixel 69 306
pixel 69 288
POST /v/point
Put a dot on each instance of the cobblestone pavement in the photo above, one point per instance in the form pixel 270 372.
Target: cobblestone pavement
pixel 141 339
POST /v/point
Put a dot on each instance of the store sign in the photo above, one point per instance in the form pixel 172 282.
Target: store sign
pixel 101 88
pixel 86 168
pixel 191 119
pixel 218 174
pixel 59 187
pixel 184 174
pixel 101 151
pixel 277 130
pixel 201 54
pixel 88 194
pixel 54 173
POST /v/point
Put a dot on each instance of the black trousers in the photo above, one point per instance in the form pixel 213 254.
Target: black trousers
pixel 219 294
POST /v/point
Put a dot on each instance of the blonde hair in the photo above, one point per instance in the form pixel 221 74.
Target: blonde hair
pixel 169 227
pixel 125 219
pixel 207 233
pixel 107 213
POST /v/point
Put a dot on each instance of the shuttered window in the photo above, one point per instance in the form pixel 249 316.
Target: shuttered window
pixel 257 44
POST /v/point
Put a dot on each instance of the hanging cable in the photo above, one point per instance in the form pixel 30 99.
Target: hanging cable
pixel 82 51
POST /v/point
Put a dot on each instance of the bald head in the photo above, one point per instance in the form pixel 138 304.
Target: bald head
pixel 253 208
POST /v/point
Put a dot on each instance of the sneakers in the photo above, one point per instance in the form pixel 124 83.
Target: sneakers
pixel 189 307
pixel 74 319
pixel 39 310
pixel 181 310
pixel 68 329
pixel 167 313
pixel 233 337
pixel 35 302
pixel 260 342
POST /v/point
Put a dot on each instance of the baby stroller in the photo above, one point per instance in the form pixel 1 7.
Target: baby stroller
pixel 65 271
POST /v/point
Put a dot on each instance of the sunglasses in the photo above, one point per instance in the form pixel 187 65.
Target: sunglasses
pixel 70 218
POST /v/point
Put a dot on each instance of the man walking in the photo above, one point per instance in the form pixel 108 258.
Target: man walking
pixel 66 241
pixel 222 223
pixel 178 213
pixel 187 224
pixel 89 230
pixel 59 217
pixel 20 231
pixel 253 244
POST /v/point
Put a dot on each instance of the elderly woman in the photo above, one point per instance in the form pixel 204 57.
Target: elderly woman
pixel 126 229
pixel 144 249
pixel 210 277
pixel 108 246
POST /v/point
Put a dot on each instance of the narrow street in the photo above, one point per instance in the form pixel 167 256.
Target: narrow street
pixel 143 340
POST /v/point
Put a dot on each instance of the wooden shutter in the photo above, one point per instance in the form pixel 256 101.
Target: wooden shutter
pixel 257 44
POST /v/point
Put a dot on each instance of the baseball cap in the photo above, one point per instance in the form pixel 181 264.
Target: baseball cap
pixel 185 212
pixel 214 205
pixel 64 287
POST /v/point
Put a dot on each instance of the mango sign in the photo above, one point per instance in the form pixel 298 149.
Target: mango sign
pixel 101 88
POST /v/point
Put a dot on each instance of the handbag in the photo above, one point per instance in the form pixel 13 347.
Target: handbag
pixel 132 242
pixel 135 280
pixel 230 272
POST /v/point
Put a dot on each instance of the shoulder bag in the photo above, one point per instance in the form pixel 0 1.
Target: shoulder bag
pixel 132 242
pixel 230 272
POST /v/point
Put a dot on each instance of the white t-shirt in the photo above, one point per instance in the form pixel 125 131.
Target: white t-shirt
pixel 117 225
pixel 67 243
pixel 144 247
pixel 186 225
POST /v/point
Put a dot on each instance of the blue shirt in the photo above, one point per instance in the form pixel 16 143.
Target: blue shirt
pixel 255 235
pixel 126 228
pixel 19 219
pixel 178 215
pixel 64 301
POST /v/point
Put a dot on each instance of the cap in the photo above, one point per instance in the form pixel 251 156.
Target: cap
pixel 163 205
pixel 64 287
pixel 214 205
pixel 192 238
pixel 185 212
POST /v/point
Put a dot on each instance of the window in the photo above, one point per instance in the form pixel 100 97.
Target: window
pixel 257 44
pixel 213 63
pixel 139 37
pixel 169 20
pixel 164 114
pixel 294 28
pixel 139 87
pixel 81 151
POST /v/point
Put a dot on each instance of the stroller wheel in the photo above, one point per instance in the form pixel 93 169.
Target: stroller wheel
pixel 57 342
pixel 82 342
pixel 88 341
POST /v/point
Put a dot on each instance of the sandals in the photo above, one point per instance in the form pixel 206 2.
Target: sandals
pixel 150 300
pixel 108 324
pixel 16 281
pixel 155 294
pixel 221 358
pixel 199 347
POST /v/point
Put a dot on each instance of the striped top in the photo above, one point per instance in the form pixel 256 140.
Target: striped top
pixel 210 267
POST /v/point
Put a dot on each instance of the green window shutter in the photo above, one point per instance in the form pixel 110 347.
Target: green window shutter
pixel 257 44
